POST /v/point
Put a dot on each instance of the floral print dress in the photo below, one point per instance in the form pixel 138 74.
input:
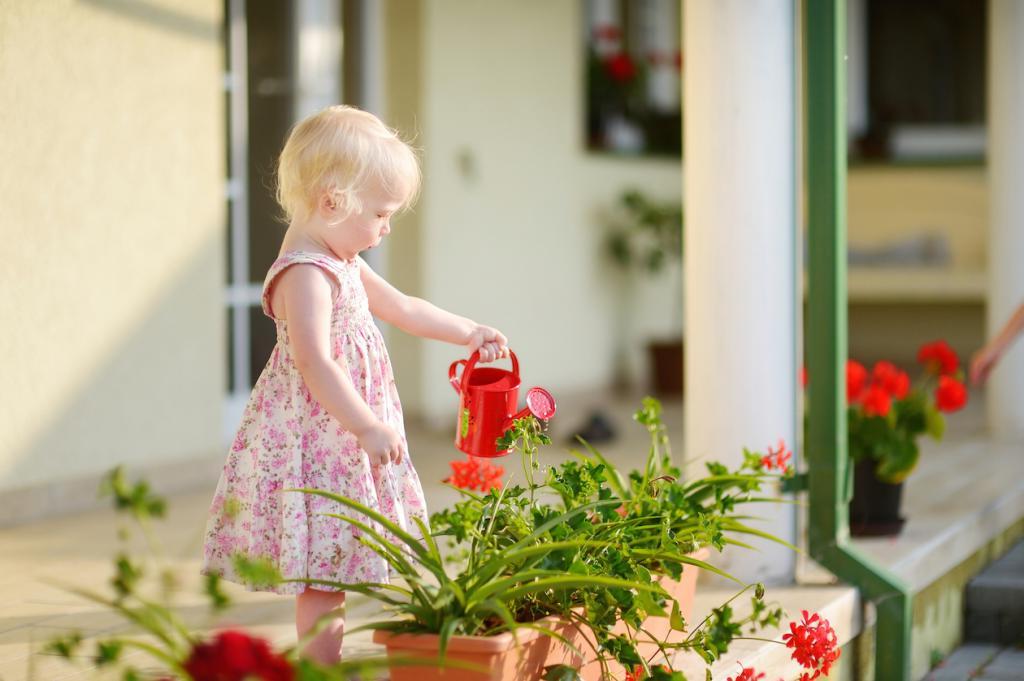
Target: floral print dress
pixel 287 440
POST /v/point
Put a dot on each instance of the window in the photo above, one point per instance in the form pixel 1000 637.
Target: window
pixel 923 81
pixel 633 76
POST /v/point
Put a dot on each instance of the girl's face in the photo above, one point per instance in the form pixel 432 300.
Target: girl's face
pixel 365 228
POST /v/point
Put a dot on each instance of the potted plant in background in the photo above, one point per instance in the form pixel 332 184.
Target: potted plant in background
pixel 646 236
pixel 887 415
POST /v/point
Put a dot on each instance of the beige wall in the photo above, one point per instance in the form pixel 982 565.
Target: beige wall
pixel 113 220
pixel 889 203
pixel 507 231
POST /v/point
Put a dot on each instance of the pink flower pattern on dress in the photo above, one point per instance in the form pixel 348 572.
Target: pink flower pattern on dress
pixel 287 439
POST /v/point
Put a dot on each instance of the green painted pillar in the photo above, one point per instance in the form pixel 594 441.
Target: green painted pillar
pixel 828 531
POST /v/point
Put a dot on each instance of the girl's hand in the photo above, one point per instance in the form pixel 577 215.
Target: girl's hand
pixel 982 363
pixel 382 444
pixel 491 343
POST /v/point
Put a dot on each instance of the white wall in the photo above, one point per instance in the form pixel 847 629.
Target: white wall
pixel 112 189
pixel 508 222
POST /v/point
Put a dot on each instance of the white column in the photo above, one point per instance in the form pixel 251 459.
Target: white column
pixel 1006 201
pixel 739 196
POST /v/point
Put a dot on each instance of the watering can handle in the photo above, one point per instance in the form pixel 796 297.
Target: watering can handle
pixel 470 364
pixel 451 375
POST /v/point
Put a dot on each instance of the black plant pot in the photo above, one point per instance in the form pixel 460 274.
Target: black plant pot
pixel 875 507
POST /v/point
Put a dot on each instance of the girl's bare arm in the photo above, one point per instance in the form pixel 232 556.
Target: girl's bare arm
pixel 421 318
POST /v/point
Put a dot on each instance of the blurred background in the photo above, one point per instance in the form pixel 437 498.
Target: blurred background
pixel 140 139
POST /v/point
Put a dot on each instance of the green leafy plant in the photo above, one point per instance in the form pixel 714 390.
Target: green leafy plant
pixel 646 234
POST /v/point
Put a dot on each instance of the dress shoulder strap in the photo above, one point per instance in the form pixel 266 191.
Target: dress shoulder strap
pixel 290 258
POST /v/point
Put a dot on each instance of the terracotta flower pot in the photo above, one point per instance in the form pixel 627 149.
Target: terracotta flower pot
pixel 497 655
pixel 683 591
pixel 502 661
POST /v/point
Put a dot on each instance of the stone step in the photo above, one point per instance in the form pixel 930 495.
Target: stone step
pixel 994 602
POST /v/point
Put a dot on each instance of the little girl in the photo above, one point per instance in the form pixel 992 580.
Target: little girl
pixel 325 413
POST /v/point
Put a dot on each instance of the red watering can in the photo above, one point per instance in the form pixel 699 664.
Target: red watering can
pixel 487 405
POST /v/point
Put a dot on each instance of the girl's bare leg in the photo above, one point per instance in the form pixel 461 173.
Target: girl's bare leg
pixel 325 647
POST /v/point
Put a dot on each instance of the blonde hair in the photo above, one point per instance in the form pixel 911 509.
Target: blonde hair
pixel 341 150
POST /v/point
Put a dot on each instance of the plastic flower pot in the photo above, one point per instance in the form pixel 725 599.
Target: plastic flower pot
pixel 875 507
pixel 497 655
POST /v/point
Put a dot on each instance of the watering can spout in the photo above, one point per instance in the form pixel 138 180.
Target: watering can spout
pixel 539 403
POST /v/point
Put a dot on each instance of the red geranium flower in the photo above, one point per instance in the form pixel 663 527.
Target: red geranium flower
pixel 876 401
pixel 938 358
pixel 892 379
pixel 236 656
pixel 747 674
pixel 621 67
pixel 814 643
pixel 951 394
pixel 475 473
pixel 803 377
pixel 856 379
pixel 777 458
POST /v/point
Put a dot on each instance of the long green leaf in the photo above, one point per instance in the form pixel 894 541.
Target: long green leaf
pixel 398 557
pixel 571 581
pixel 388 524
pixel 689 560
pixel 551 633
pixel 371 589
pixel 428 539
pixel 746 529
pixel 447 631
pixel 149 624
